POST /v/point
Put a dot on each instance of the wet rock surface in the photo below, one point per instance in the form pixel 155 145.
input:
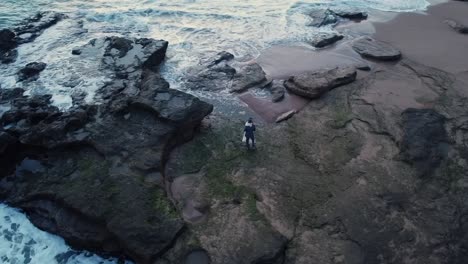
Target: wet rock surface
pixel 31 71
pixel 374 49
pixel 222 72
pixel 277 90
pixel 322 17
pixel 351 14
pixel 95 156
pixel 314 84
pixel 325 39
pixel 26 31
pixel 361 148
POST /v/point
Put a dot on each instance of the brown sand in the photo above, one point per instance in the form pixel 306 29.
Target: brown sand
pixel 422 37
pixel 268 110
pixel 427 39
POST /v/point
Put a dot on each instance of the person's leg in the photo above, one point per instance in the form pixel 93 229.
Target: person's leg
pixel 247 142
pixel 253 141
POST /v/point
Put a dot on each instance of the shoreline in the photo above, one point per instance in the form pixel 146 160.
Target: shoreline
pixel 398 29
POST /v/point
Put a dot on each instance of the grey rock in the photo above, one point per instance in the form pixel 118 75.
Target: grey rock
pixel 350 14
pixel 325 39
pixel 249 76
pixel 374 49
pixel 277 90
pixel 315 84
pixel 322 17
pixel 27 31
pixel 31 71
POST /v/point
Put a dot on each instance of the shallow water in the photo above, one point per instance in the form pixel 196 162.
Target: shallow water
pixel 194 28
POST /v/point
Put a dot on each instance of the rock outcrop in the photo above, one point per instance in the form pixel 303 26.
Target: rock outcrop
pixel 92 189
pixel 360 175
pixel 374 49
pixel 31 71
pixel 26 31
pixel 314 84
pixel 277 90
pixel 325 39
pixel 322 17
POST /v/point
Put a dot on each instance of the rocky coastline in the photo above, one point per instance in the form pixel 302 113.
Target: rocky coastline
pixel 368 166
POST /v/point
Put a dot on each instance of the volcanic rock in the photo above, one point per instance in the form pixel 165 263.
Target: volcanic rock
pixel 31 71
pixel 322 17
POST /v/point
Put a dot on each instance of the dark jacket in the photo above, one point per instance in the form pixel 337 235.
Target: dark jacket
pixel 249 131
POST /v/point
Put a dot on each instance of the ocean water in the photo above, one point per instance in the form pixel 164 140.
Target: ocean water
pixel 195 29
pixel 22 243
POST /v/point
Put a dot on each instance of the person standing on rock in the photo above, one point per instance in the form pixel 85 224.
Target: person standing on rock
pixel 249 130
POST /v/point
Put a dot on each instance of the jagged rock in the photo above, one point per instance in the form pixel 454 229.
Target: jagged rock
pixel 31 28
pixel 96 156
pixel 285 116
pixel 222 56
pixel 462 29
pixel 8 43
pixel 214 78
pixel 322 17
pixel 277 90
pixel 27 31
pixel 325 39
pixel 423 139
pixel 7 40
pixel 31 71
pixel 315 84
pixel 126 56
pixel 248 77
pixel 374 49
pixel 7 95
pixel 350 14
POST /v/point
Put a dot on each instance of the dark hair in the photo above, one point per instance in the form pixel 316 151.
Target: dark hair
pixel 250 120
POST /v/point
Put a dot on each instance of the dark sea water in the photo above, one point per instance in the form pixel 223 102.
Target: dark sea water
pixel 194 29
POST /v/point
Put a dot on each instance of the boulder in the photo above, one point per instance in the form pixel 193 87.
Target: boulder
pixel 315 84
pixel 374 49
pixel 458 27
pixel 7 40
pixel 8 44
pixel 324 39
pixel 126 56
pixel 249 76
pixel 220 57
pixel 350 14
pixel 277 90
pixel 31 71
pixel 322 17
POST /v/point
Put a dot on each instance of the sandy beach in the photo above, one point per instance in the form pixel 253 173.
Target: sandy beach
pixel 422 37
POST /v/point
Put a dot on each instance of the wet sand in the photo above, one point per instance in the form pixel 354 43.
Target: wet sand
pixel 422 37
pixel 427 39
